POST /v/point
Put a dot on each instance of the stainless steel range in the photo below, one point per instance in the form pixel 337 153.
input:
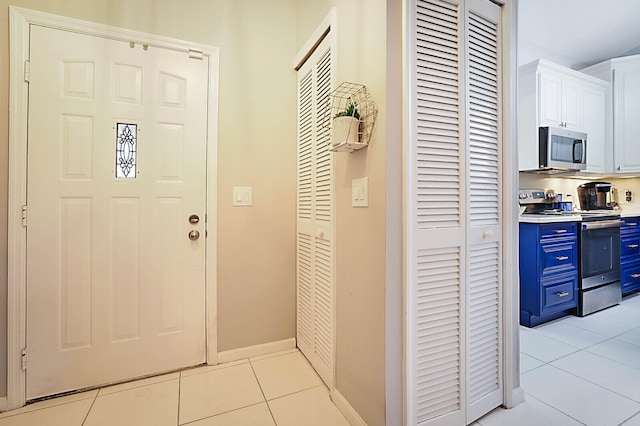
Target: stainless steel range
pixel 599 250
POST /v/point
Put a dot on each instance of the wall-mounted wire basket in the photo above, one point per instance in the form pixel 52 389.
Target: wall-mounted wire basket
pixel 341 102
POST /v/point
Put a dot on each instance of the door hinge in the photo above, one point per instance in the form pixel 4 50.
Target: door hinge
pixel 196 54
pixel 24 359
pixel 24 216
pixel 27 70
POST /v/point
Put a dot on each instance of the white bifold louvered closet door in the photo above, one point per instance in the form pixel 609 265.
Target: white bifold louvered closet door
pixel 454 216
pixel 315 217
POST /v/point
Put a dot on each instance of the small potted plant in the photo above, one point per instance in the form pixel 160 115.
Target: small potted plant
pixel 346 125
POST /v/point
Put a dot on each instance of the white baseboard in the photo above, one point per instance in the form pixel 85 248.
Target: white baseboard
pixel 346 409
pixel 517 397
pixel 256 350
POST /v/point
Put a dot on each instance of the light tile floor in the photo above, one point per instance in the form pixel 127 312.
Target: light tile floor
pixel 278 389
pixel 574 371
pixel 579 371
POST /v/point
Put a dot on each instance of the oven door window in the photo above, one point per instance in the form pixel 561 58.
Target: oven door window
pixel 600 251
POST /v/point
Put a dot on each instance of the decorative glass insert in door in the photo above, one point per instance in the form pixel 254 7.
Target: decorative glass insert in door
pixel 126 148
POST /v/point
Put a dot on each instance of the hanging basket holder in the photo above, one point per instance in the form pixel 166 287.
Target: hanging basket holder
pixel 347 134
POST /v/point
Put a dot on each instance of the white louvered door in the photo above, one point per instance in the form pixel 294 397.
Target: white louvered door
pixel 484 232
pixel 454 370
pixel 315 223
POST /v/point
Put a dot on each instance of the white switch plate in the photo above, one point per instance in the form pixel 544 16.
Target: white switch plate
pixel 242 196
pixel 360 192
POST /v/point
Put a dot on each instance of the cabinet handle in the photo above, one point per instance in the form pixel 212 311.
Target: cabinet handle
pixel 632 224
pixel 562 257
pixel 560 231
pixel 562 294
pixel 632 246
pixel 635 275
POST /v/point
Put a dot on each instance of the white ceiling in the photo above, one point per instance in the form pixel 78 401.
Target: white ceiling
pixel 577 33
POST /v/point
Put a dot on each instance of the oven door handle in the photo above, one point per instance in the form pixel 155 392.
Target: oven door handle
pixel 600 224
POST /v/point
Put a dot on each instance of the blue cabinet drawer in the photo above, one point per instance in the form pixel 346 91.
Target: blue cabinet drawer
pixel 630 276
pixel 558 230
pixel 558 257
pixel 629 245
pixel 631 224
pixel 561 295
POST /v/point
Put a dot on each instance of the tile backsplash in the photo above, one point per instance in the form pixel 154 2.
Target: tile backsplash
pixel 567 187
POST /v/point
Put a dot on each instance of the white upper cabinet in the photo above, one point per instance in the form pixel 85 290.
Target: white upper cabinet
pixel 623 111
pixel 558 98
pixel 552 95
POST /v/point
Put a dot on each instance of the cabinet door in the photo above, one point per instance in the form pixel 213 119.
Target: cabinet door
pixel 571 106
pixel 559 101
pixel 593 109
pixel 626 118
pixel 550 99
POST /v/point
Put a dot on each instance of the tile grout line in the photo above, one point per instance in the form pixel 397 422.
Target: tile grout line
pixel 626 420
pixel 179 390
pixel 262 392
pixel 594 383
pixel 303 390
pixel 91 407
pixel 220 414
pixel 554 408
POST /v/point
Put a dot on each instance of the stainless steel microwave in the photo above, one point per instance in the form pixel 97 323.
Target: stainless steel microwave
pixel 562 149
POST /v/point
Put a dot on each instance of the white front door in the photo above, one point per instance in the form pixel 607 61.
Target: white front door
pixel 116 167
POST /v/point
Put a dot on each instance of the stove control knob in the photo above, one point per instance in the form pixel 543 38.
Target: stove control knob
pixel 522 195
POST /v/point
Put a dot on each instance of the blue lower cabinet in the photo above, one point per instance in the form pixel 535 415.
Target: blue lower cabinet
pixel 548 271
pixel 630 255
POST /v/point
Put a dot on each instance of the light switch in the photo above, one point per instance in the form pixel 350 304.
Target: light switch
pixel 360 192
pixel 242 196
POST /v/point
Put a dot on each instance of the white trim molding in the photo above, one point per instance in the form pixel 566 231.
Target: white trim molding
pixel 257 350
pixel 20 21
pixel 346 409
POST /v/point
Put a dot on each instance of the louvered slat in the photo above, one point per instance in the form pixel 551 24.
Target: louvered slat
pixel 484 150
pixel 437 332
pixel 324 302
pixel 305 291
pixel 484 320
pixel 324 169
pixel 437 96
pixel 305 142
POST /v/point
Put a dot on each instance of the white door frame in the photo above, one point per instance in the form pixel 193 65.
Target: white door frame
pixel 19 22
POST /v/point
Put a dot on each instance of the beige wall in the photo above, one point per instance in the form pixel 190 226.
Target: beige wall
pixel 360 232
pixel 256 147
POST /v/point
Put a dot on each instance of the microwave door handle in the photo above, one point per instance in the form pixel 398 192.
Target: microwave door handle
pixel 577 146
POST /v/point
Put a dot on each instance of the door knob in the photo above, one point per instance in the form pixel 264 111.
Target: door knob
pixel 194 235
pixel 193 219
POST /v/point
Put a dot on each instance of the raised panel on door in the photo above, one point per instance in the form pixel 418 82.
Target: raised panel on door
pixel 626 103
pixel 550 99
pixel 593 113
pixel 571 104
pixel 116 164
